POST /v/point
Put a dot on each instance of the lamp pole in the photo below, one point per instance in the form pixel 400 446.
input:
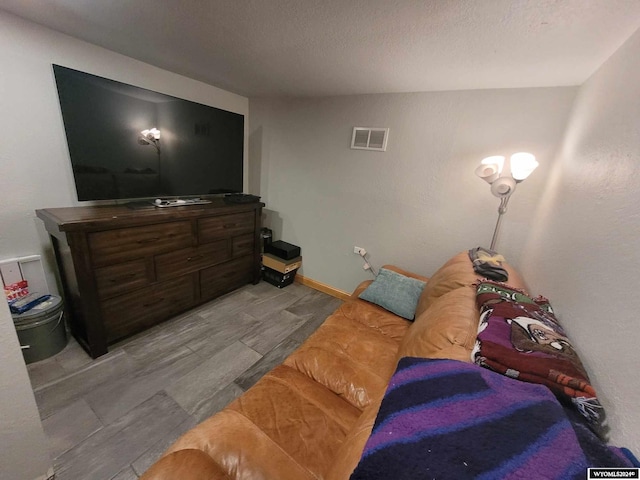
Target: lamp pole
pixel 502 209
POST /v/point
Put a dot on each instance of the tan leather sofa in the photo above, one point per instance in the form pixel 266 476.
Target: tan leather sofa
pixel 310 417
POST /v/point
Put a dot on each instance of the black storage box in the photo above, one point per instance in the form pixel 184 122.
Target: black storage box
pixel 278 279
pixel 282 250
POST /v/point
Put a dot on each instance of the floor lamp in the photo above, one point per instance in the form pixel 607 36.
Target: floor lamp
pixel 503 175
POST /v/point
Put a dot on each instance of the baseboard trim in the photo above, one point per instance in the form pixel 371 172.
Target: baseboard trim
pixel 322 287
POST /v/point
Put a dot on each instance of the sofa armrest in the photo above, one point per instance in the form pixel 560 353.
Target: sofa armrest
pixel 188 464
pixel 362 286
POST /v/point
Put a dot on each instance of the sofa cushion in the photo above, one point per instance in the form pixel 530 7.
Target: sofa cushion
pixel 455 273
pixel 286 426
pixel 377 318
pixel 446 330
pixel 348 358
pixel 185 464
pixel 352 447
pixel 394 292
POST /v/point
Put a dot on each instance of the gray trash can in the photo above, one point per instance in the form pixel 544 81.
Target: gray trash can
pixel 41 330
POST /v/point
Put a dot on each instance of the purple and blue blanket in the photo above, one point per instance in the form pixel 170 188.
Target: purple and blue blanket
pixel 445 419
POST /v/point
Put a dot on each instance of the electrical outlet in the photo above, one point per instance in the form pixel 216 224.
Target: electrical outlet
pixel 359 250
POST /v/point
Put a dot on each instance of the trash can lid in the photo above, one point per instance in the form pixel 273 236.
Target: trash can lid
pixel 38 312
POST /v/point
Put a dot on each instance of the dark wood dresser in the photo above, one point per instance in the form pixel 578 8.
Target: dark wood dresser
pixel 124 270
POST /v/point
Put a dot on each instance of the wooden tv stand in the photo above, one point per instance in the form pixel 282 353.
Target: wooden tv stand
pixel 125 270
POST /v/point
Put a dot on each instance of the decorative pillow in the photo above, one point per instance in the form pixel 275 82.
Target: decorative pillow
pixel 394 292
pixel 520 337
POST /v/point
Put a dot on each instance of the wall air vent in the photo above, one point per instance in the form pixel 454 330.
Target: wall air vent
pixel 365 138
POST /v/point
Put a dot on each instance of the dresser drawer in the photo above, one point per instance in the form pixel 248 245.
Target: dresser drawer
pixel 242 245
pixel 135 311
pixel 115 246
pixel 191 259
pixel 225 226
pixel 215 281
pixel 122 277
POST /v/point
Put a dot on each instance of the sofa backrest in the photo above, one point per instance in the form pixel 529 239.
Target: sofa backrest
pixel 447 318
pixel 456 273
pixel 447 329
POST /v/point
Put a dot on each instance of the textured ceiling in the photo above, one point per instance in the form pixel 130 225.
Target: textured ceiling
pixel 337 47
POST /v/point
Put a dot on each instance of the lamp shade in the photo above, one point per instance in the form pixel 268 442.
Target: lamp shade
pixel 490 168
pixel 152 133
pixel 522 164
pixel 494 160
pixel 488 173
pixel 503 187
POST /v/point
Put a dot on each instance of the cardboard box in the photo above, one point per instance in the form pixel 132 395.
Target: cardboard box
pixel 281 265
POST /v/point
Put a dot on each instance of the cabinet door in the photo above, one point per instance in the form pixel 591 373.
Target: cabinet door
pixel 191 259
pixel 215 281
pixel 122 277
pixel 133 312
pixel 122 244
pixel 243 245
pixel 225 226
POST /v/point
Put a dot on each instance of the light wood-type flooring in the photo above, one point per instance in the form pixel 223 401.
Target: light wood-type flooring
pixel 112 417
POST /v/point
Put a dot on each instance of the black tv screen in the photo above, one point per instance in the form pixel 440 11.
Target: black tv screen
pixel 199 150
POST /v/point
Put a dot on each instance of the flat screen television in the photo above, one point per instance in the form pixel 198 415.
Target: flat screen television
pixel 199 151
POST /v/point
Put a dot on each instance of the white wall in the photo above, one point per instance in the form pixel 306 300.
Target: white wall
pixel 24 454
pixel 414 205
pixel 584 249
pixel 35 172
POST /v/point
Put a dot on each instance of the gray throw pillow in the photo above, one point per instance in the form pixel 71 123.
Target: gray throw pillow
pixel 395 292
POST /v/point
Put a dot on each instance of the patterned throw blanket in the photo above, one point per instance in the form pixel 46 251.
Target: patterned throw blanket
pixel 445 419
pixel 519 336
